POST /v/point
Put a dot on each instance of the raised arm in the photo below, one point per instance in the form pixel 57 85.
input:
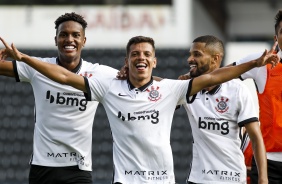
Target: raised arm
pixel 227 73
pixel 52 71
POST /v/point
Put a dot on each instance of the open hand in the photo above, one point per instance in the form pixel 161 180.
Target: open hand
pixel 122 74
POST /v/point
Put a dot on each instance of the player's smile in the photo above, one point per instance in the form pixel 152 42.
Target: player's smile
pixel 141 66
pixel 70 39
pixel 140 61
pixel 69 48
pixel 193 67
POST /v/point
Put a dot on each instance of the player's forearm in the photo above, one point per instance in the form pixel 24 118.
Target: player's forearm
pixel 7 69
pixel 261 161
pixel 52 71
pixel 220 75
pixel 227 73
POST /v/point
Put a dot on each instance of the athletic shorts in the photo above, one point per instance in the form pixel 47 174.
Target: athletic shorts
pixel 59 175
pixel 274 172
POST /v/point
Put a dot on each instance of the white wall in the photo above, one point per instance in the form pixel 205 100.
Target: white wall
pixel 108 26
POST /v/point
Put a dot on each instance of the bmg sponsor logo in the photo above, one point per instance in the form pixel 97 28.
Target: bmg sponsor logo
pixel 212 124
pixel 70 99
pixel 151 115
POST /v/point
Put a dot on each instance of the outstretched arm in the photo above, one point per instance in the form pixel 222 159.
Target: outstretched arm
pixel 52 71
pixel 227 73
pixel 258 148
pixel 6 67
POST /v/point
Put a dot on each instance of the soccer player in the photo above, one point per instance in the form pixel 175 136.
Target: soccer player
pixel 62 142
pixel 216 115
pixel 268 82
pixel 140 109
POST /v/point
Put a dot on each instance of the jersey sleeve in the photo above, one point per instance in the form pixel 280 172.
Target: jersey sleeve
pixel 25 73
pixel 258 74
pixel 108 71
pixel 246 108
pixel 97 87
pixel 179 89
pixel 253 72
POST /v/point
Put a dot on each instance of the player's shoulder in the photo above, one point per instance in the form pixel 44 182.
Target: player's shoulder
pixel 97 66
pixel 52 60
pixel 235 85
pixel 173 80
pixel 249 57
pixel 89 64
pixel 234 82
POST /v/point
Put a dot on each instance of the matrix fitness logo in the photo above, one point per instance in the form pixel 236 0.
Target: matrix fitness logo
pixel 150 175
pixel 69 99
pixel 223 175
pixel 72 156
pixel 222 104
pixel 154 94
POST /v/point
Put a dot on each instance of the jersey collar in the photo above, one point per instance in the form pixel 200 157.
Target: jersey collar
pixel 213 91
pixel 76 69
pixel 142 88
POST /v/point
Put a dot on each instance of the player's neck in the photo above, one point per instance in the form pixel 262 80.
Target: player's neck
pixel 139 83
pixel 68 64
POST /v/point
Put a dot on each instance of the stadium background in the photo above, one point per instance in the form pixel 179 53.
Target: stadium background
pixel 244 25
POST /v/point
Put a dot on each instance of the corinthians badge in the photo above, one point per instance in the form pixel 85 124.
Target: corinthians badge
pixel 154 94
pixel 222 104
pixel 88 75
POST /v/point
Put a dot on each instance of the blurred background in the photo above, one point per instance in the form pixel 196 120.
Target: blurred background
pixel 245 26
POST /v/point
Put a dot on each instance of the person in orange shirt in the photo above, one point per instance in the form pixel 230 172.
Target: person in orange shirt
pixel 269 90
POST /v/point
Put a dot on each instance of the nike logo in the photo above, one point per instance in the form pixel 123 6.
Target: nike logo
pixel 121 94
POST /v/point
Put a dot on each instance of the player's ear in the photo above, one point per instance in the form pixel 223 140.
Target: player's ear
pixel 215 59
pixel 55 41
pixel 155 62
pixel 84 42
pixel 126 61
pixel 275 38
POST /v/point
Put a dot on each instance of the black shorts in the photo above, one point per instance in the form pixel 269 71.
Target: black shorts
pixel 59 175
pixel 274 172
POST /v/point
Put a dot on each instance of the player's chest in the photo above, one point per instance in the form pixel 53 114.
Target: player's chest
pixel 220 104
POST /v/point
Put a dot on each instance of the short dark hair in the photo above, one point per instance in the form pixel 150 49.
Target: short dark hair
pixel 139 39
pixel 71 17
pixel 212 41
pixel 278 19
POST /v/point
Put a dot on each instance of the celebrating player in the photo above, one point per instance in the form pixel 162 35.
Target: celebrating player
pixel 216 115
pixel 63 117
pixel 140 109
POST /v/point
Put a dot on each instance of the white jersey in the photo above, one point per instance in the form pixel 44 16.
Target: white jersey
pixel 259 75
pixel 216 118
pixel 63 117
pixel 140 120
